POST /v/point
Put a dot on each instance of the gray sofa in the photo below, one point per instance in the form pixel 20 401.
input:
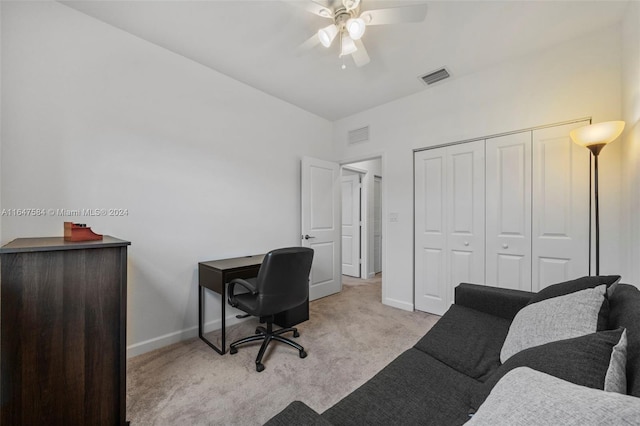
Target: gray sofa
pixel 450 372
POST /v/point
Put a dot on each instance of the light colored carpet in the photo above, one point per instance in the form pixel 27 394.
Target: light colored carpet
pixel 350 336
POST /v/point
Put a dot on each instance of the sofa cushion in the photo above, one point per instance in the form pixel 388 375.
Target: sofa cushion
pixel 561 317
pixel 467 340
pixel 525 396
pixel 297 413
pixel 584 360
pixel 625 312
pixel 413 389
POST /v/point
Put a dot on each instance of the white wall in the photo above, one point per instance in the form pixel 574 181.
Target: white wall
pixel 631 138
pixel 207 167
pixel 576 79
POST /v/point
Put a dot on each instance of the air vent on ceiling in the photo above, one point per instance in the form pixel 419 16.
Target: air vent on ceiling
pixel 358 135
pixel 434 77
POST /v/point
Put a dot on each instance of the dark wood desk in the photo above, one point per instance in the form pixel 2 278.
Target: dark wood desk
pixel 214 275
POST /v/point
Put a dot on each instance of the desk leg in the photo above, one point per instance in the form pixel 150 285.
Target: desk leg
pixel 222 350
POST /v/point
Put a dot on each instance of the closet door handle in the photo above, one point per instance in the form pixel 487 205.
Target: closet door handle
pixel 505 246
pixel 466 243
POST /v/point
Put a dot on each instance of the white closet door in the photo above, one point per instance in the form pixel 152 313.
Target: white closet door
pixel 561 206
pixel 508 202
pixel 465 214
pixel 449 221
pixel 431 294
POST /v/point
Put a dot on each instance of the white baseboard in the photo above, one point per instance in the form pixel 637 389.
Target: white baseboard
pixel 398 304
pixel 177 336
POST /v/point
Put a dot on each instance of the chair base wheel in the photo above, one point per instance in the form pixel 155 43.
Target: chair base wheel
pixel 296 334
pixel 233 350
pixel 303 354
pixel 259 367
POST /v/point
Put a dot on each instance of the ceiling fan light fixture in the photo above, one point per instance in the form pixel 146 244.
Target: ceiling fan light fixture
pixel 348 46
pixel 327 34
pixel 356 28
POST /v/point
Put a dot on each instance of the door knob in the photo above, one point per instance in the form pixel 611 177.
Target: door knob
pixel 307 236
pixel 466 243
pixel 505 246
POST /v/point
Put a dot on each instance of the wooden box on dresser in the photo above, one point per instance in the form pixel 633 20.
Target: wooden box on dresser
pixel 63 326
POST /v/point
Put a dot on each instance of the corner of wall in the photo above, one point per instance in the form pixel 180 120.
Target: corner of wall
pixel 631 140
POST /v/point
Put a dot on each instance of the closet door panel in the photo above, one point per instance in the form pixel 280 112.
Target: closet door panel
pixel 508 211
pixel 431 293
pixel 449 222
pixel 561 205
pixel 465 209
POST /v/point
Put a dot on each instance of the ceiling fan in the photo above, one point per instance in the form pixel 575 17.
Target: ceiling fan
pixel 350 22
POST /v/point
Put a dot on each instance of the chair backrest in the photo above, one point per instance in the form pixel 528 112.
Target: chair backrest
pixel 283 279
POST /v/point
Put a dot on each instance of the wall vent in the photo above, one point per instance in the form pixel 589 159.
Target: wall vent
pixel 358 135
pixel 434 77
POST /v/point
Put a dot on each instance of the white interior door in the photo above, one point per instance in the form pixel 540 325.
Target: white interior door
pixel 377 224
pixel 351 225
pixel 561 206
pixel 320 211
pixel 508 200
pixel 449 223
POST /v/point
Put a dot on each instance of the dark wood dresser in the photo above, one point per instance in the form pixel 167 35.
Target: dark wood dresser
pixel 63 326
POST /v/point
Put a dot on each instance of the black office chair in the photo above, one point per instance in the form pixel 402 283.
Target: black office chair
pixel 282 283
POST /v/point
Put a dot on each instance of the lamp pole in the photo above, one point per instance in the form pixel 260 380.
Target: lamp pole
pixel 595 150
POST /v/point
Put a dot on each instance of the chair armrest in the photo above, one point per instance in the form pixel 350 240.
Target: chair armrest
pixel 231 298
pixel 500 302
pixel 297 413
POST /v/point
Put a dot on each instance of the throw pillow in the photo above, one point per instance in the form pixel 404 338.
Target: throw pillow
pixel 557 318
pixel 590 361
pixel 525 397
pixel 616 378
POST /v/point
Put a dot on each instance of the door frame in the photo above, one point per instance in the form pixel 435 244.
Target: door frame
pixel 361 221
pixel 363 200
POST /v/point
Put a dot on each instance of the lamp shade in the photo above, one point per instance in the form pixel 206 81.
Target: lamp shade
pixel 348 46
pixel 327 34
pixel 597 134
pixel 356 27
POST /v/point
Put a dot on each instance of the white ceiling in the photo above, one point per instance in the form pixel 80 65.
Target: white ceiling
pixel 255 42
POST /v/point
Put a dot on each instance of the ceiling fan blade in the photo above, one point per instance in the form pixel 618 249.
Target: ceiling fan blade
pixel 360 56
pixel 311 6
pixel 309 44
pixel 395 15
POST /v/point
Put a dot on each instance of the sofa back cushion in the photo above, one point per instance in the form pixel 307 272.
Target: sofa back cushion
pixel 466 340
pixel 624 311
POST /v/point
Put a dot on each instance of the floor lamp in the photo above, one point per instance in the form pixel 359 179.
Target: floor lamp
pixel 595 137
